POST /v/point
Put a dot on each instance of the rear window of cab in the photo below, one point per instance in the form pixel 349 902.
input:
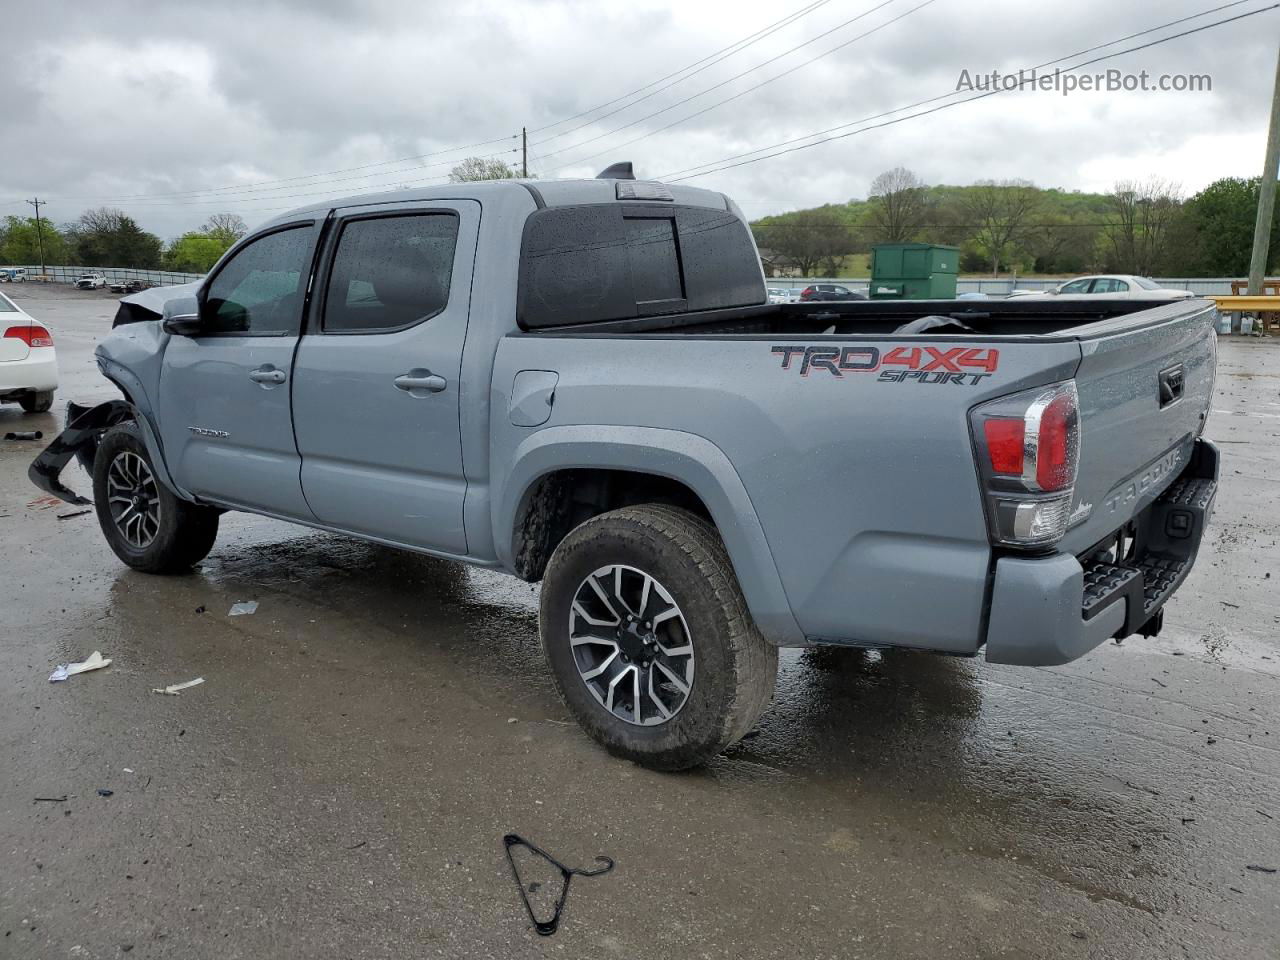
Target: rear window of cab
pixel 619 261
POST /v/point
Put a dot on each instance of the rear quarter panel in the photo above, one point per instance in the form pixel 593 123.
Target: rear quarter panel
pixel 862 476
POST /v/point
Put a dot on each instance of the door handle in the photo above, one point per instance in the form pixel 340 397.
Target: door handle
pixel 267 374
pixel 420 382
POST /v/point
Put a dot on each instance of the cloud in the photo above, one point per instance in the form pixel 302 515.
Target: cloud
pixel 143 104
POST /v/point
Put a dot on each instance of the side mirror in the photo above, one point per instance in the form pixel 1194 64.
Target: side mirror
pixel 182 316
pixel 186 326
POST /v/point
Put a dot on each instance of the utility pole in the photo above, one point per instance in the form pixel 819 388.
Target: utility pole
pixel 1266 195
pixel 37 203
pixel 524 152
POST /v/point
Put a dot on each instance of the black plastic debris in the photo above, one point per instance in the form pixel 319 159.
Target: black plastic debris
pixel 61 799
pixel 24 435
pixel 546 928
pixel 104 792
pixel 68 516
pixel 1257 869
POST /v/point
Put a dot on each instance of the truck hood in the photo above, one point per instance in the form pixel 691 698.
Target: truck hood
pixel 165 301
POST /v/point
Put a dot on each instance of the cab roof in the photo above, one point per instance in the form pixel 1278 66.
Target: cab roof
pixel 545 193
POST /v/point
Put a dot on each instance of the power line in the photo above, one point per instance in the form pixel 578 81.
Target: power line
pixel 267 193
pixel 265 185
pixel 390 185
pixel 952 93
pixel 739 76
pixel 956 103
pixel 191 202
pixel 653 93
pixel 305 176
pixel 741 44
pixel 736 96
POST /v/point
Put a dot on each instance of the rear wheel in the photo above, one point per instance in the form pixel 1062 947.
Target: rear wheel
pixel 147 526
pixel 37 402
pixel 649 639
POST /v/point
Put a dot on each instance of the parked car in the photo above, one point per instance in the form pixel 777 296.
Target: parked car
pixel 91 281
pixel 827 292
pixel 132 285
pixel 781 295
pixel 587 387
pixel 28 362
pixel 1113 286
pixel 13 274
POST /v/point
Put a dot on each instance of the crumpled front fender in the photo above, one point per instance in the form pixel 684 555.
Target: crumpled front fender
pixel 85 426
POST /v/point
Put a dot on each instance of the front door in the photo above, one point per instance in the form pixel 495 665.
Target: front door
pixel 224 393
pixel 376 383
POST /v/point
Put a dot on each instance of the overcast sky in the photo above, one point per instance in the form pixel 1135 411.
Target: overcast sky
pixel 139 105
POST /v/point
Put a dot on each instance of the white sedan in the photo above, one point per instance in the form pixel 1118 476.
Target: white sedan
pixel 1115 286
pixel 28 363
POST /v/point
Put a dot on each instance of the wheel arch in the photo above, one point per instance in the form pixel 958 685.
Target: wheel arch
pixel 135 395
pixel 561 476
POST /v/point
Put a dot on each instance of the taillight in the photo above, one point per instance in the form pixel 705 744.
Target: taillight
pixel 1028 449
pixel 33 335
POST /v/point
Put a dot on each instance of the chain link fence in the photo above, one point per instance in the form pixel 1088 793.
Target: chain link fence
pixel 159 278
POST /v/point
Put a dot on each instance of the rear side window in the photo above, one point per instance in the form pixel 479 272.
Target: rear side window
pixel 390 272
pixel 6 306
pixel 619 261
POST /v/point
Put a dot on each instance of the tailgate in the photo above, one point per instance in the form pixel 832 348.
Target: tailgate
pixel 12 348
pixel 1145 383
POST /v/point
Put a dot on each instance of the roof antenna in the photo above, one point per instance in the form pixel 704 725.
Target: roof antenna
pixel 617 171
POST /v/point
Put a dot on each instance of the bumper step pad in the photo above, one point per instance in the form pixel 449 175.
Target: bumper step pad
pixel 1170 531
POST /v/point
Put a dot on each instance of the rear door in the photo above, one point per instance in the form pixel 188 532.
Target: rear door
pixel 224 393
pixel 376 390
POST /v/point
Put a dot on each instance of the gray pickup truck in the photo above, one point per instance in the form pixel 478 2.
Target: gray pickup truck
pixel 583 383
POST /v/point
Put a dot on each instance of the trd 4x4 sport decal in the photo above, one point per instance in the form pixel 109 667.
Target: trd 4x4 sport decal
pixel 961 365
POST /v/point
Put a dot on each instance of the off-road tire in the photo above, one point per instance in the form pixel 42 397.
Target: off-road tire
pixel 186 531
pixel 735 667
pixel 37 402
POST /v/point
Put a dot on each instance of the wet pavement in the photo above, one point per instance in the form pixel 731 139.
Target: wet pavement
pixel 341 783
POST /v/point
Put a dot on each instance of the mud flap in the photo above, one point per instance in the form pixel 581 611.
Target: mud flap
pixel 85 426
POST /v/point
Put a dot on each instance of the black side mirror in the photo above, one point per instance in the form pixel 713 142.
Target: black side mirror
pixel 188 326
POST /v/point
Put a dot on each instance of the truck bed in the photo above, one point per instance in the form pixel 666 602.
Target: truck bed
pixel 1067 319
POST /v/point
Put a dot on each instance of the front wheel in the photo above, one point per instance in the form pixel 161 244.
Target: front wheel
pixel 147 526
pixel 649 639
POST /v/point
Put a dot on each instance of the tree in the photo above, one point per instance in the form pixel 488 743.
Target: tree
pixel 20 241
pixel 111 238
pixel 195 252
pixel 1060 246
pixel 998 216
pixel 809 238
pixel 226 227
pixel 1214 236
pixel 1138 223
pixel 899 206
pixel 480 168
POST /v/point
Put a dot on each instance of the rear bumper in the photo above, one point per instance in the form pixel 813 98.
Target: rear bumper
pixel 39 371
pixel 1047 611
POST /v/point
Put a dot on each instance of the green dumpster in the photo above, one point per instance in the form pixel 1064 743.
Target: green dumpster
pixel 914 271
